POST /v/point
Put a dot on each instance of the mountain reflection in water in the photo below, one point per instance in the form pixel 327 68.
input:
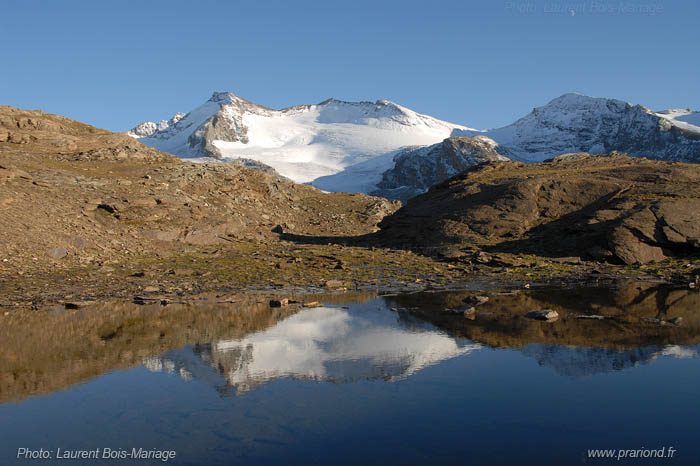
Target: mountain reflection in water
pixel 237 347
pixel 323 343
pixel 577 361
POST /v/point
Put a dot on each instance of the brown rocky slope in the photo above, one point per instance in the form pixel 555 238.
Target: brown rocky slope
pixel 613 207
pixel 81 199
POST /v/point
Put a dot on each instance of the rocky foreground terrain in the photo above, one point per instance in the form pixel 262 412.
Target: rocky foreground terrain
pixel 85 214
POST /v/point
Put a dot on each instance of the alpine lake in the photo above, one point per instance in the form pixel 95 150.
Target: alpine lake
pixel 359 378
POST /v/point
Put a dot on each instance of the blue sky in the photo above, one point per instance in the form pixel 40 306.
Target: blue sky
pixel 482 64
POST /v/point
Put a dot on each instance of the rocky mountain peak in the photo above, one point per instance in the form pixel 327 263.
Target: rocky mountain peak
pixel 229 99
pixel 224 97
pixel 578 123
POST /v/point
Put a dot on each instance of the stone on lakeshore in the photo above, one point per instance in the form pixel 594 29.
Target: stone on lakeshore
pixel 543 314
pixel 476 300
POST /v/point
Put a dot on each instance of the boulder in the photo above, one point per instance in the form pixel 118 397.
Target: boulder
pixel 547 315
pixel 476 300
pixel 631 250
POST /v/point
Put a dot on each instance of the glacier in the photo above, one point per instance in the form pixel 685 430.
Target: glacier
pixel 334 145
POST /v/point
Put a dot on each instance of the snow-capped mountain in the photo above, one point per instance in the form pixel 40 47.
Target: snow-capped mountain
pixel 578 123
pixel 336 145
pixel 148 128
pixel 384 148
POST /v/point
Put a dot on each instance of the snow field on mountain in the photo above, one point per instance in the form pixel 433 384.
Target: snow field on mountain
pixel 307 145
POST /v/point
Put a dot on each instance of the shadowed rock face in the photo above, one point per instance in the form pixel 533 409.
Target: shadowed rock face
pixel 418 169
pixel 600 207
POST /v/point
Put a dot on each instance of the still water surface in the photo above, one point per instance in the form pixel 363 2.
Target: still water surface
pixel 360 380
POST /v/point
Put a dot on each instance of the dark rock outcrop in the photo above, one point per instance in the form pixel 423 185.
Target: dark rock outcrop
pixel 417 169
pixel 223 126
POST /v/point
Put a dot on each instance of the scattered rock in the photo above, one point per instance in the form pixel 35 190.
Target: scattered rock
pixel 482 258
pixel 675 321
pixel 143 300
pixel 58 253
pixel 547 315
pixel 170 235
pixel 279 302
pixel 566 260
pixel 476 300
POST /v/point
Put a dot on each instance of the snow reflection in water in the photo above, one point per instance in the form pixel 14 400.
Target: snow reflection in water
pixel 331 344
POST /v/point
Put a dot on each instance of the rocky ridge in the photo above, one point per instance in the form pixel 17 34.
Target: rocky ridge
pixel 601 207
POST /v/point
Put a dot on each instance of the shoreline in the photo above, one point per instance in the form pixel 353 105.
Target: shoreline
pixel 306 270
